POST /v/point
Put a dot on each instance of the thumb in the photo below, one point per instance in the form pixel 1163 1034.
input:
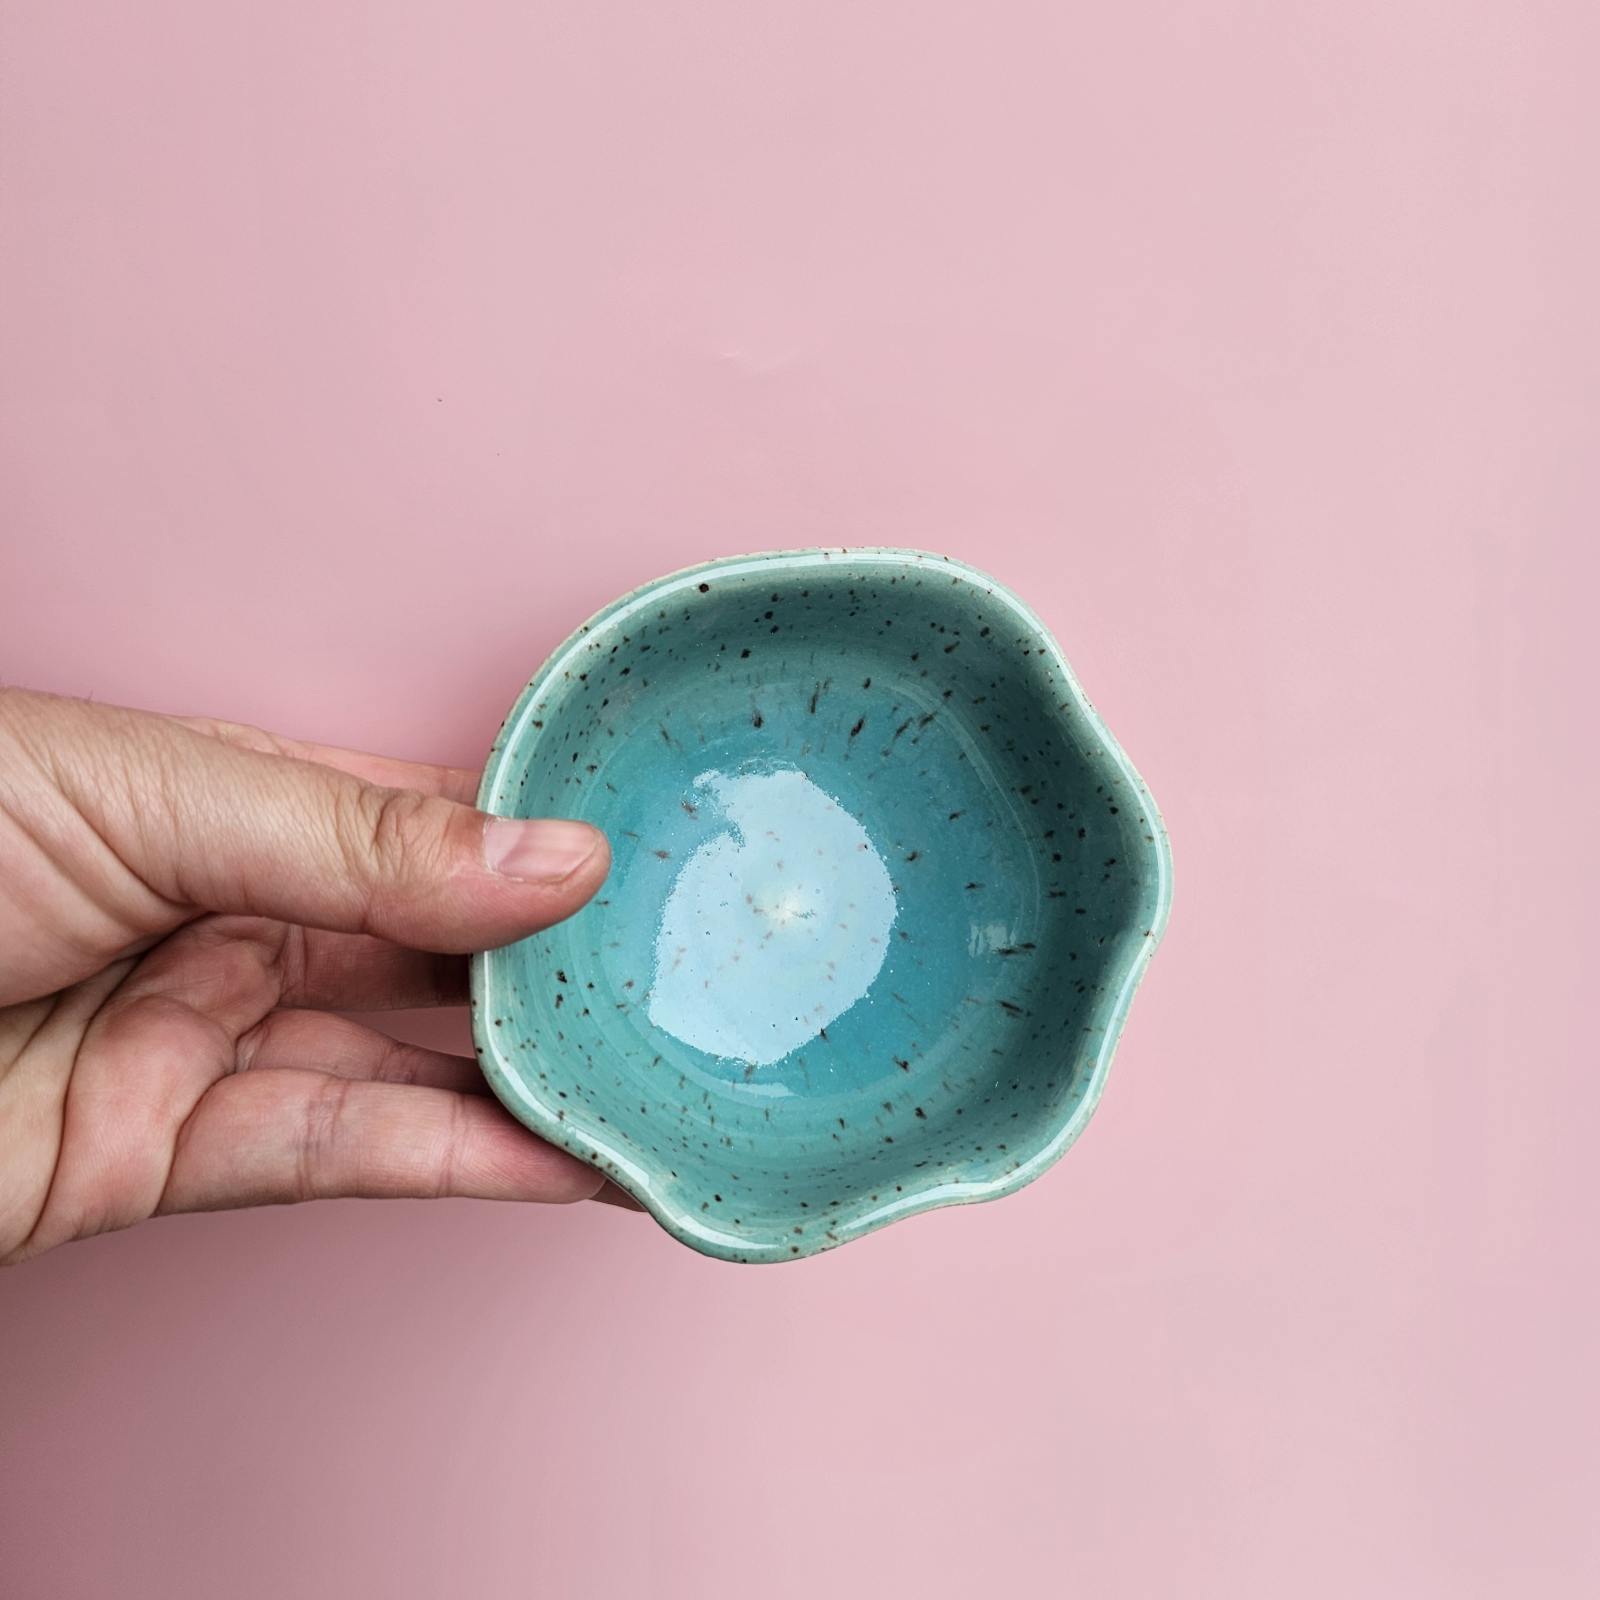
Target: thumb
pixel 211 825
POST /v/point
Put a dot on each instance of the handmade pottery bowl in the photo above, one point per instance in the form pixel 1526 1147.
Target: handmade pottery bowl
pixel 882 888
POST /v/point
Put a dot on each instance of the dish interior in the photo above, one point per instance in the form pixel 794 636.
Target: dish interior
pixel 877 886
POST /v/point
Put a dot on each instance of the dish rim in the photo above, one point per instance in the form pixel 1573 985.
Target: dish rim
pixel 622 1166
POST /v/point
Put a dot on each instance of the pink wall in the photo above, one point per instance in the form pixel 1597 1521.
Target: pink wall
pixel 351 354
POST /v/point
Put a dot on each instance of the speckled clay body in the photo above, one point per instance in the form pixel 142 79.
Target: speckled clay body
pixel 882 888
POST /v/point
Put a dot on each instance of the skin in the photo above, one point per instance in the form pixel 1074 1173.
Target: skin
pixel 183 905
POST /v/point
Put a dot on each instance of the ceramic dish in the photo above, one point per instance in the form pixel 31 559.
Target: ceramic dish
pixel 883 885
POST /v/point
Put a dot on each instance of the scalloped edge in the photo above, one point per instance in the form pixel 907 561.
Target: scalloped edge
pixel 627 1172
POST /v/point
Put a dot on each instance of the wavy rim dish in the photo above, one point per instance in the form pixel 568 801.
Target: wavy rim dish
pixel 623 1166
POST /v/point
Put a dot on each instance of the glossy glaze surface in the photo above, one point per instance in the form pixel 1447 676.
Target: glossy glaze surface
pixel 882 888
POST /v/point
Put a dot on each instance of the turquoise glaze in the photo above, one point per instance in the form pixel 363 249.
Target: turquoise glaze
pixel 882 888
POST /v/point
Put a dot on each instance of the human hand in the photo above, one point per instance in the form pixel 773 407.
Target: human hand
pixel 180 901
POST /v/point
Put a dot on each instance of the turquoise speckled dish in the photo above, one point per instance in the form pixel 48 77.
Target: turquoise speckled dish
pixel 883 886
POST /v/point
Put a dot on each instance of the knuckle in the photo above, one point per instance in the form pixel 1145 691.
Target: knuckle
pixel 456 1137
pixel 321 1136
pixel 384 844
pixel 240 735
pixel 396 833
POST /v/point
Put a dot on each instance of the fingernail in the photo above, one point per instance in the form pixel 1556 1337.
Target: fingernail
pixel 541 850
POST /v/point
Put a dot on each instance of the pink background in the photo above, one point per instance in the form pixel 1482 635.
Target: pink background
pixel 350 355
